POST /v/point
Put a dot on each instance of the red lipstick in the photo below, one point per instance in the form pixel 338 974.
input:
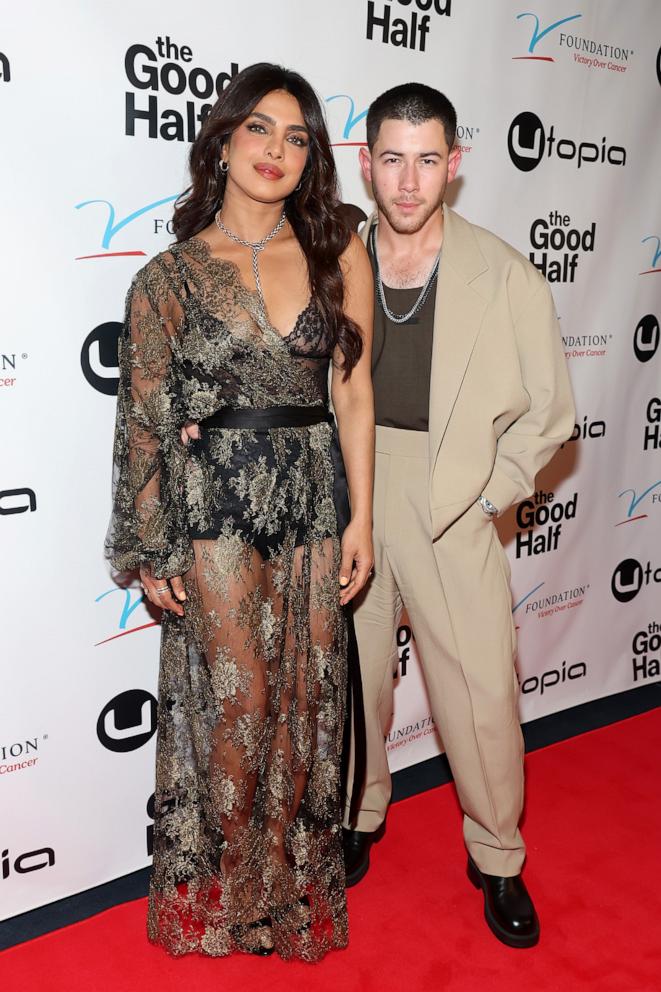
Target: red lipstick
pixel 269 171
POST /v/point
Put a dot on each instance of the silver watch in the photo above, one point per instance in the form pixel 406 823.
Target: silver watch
pixel 487 506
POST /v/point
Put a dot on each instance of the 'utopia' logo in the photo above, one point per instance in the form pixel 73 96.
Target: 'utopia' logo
pixel 630 576
pixel 528 143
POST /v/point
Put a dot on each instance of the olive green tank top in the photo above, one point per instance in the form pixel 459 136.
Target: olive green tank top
pixel 401 359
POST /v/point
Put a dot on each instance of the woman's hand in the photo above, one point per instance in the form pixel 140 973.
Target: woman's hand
pixel 357 559
pixel 190 432
pixel 162 592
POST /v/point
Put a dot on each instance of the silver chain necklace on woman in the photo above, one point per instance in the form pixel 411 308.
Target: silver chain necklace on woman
pixel 255 247
pixel 401 318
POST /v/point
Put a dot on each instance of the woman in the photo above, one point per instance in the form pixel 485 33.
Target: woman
pixel 237 534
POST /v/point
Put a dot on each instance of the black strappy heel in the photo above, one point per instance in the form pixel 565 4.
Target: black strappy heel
pixel 304 903
pixel 241 931
pixel 301 904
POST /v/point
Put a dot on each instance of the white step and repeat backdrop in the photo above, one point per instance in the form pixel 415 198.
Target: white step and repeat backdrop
pixel 560 125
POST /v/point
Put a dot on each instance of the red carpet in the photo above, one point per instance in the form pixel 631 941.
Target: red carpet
pixel 593 829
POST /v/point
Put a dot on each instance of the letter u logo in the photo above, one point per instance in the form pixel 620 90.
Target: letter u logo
pixel 128 721
pixel 526 141
pixel 627 580
pixel 646 338
pixel 533 150
pixel 144 727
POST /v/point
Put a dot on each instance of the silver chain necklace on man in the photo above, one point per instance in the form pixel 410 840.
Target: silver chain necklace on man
pixel 401 318
pixel 255 247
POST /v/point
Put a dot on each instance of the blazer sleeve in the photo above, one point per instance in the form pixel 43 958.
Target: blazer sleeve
pixel 148 523
pixel 531 441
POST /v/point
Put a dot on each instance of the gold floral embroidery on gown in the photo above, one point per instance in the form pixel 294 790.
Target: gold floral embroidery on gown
pixel 253 679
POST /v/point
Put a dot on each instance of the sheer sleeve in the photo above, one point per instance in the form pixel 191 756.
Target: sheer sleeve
pixel 148 521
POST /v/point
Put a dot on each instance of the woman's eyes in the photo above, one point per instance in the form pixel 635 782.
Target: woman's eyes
pixel 295 139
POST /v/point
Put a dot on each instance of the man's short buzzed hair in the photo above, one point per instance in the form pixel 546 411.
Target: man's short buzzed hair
pixel 415 103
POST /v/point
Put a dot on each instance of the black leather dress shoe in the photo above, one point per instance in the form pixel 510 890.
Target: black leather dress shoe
pixel 508 908
pixel 356 846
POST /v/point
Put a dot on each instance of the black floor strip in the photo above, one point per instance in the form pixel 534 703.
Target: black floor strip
pixel 73 909
pixel 406 783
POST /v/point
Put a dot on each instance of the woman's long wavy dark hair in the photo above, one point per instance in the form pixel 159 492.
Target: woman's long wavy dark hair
pixel 312 211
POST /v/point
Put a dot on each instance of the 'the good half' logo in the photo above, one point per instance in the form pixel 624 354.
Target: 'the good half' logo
pixel 542 509
pixel 646 643
pixel 652 434
pixel 398 31
pixel 166 68
pixel 558 245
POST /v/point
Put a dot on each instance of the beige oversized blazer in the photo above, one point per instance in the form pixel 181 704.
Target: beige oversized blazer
pixel 500 399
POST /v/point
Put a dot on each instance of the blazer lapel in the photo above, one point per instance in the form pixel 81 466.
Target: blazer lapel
pixel 459 310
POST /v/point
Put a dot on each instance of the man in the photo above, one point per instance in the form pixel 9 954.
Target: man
pixel 472 399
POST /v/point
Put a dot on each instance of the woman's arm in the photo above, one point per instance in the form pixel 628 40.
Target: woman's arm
pixel 353 402
pixel 146 529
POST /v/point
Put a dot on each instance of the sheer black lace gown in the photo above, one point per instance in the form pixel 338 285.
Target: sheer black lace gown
pixel 253 678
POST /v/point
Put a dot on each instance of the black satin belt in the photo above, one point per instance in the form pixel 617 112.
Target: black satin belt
pixel 272 416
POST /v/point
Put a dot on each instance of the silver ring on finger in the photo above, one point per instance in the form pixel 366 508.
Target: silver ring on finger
pixel 159 592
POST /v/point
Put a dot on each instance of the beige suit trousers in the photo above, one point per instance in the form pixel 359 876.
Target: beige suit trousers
pixel 457 594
